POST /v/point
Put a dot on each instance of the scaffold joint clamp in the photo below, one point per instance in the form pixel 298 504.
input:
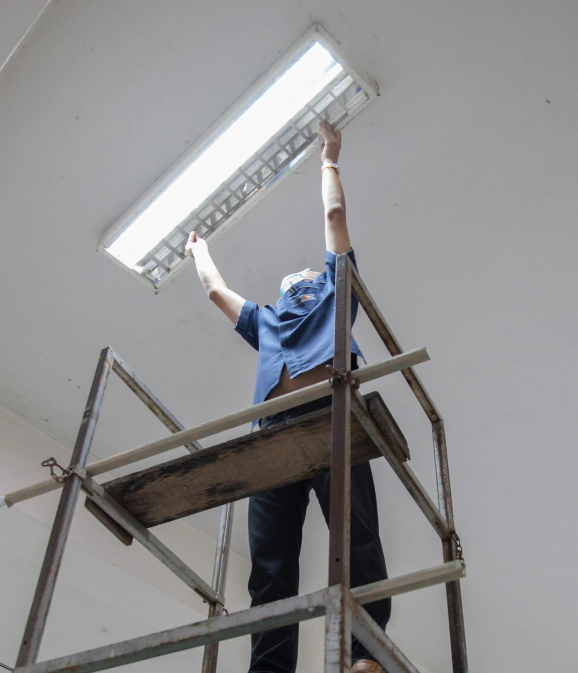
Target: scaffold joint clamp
pixel 341 377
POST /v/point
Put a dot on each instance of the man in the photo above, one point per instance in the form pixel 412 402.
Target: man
pixel 295 340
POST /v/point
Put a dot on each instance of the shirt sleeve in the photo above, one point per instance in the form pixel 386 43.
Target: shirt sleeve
pixel 248 324
pixel 331 261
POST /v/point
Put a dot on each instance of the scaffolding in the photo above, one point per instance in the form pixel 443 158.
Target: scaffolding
pixel 354 429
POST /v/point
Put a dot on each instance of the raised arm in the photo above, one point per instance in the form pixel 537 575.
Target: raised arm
pixel 228 301
pixel 336 234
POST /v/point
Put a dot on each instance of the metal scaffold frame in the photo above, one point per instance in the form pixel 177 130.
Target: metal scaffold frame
pixel 341 605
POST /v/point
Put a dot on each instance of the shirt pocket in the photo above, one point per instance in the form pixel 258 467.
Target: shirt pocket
pixel 304 298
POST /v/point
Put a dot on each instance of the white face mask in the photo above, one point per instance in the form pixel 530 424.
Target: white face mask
pixel 291 279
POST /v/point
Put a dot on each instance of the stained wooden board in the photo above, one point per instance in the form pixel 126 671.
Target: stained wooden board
pixel 269 458
pixel 390 429
pixel 124 536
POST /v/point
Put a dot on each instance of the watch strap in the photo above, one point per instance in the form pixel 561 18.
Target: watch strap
pixel 330 164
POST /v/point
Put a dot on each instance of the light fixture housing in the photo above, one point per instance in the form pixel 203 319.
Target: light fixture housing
pixel 268 133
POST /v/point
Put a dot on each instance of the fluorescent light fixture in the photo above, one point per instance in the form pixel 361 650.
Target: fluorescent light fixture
pixel 266 135
pixel 268 114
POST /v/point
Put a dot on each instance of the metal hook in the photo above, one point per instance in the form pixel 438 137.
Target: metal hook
pixel 58 478
pixel 459 550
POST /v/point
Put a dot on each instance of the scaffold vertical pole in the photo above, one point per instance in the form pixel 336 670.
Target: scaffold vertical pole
pixel 338 630
pixel 450 551
pixel 64 514
pixel 339 502
pixel 219 578
pixel 338 617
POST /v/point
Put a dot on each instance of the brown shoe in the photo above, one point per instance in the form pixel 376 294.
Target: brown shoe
pixel 367 666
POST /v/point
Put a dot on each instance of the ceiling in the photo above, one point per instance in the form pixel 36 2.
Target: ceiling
pixel 461 190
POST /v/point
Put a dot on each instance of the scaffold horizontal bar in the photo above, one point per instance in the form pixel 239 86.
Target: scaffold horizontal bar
pixel 149 541
pixel 268 408
pixel 377 643
pixel 272 615
pixel 224 627
pixel 447 572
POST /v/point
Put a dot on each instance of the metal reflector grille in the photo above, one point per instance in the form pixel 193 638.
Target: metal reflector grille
pixel 341 98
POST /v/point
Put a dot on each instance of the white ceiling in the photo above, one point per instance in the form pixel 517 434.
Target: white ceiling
pixel 462 201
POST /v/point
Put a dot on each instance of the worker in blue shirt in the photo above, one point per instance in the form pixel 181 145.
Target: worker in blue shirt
pixel 295 341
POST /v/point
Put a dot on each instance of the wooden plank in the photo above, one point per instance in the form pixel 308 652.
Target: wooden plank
pixel 234 420
pixel 386 422
pixel 108 522
pixel 236 469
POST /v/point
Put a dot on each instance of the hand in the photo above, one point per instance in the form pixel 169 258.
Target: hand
pixel 331 142
pixel 194 244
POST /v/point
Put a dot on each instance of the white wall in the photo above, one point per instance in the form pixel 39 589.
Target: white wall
pixel 461 191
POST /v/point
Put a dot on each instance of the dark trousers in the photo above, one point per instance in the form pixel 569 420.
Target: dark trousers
pixel 275 533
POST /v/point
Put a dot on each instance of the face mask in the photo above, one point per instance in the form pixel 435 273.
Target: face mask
pixel 291 279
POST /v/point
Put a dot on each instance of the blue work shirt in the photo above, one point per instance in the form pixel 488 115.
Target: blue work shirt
pixel 298 331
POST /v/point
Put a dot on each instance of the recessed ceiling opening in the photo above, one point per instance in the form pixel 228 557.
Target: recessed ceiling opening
pixel 264 137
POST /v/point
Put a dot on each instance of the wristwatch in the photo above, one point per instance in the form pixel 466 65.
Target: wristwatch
pixel 329 164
